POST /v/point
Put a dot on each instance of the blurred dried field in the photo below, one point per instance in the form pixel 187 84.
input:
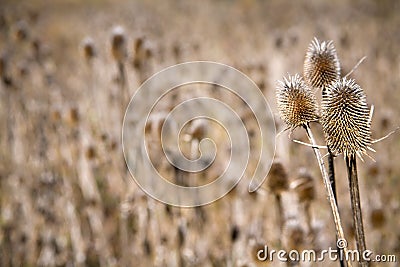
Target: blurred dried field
pixel 65 196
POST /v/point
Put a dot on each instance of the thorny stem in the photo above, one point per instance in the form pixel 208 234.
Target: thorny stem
pixel 331 196
pixel 351 164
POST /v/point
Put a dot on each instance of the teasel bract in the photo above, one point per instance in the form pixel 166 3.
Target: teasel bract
pixel 296 102
pixel 345 118
pixel 321 64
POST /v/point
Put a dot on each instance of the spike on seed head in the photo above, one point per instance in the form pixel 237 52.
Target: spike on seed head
pixel 346 118
pixel 296 102
pixel 321 64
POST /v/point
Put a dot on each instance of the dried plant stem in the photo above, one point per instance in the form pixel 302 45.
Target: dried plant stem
pixel 281 220
pixel 307 210
pixel 351 164
pixel 328 187
pixel 332 180
pixel 124 91
pixel 331 173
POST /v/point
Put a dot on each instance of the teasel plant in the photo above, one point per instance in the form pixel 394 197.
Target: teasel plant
pixel 346 122
pixel 277 183
pixel 303 186
pixel 298 107
pixel 119 53
pixel 321 68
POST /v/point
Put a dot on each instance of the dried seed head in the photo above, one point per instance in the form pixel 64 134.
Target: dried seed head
pixel 303 185
pixel 118 44
pixel 321 65
pixel 23 69
pixel 377 218
pixel 88 48
pixel 21 30
pixel 277 179
pixel 90 152
pixel 293 235
pixel 198 129
pixel 297 104
pixel 345 118
pixel 137 52
pixel 73 116
pixel 55 115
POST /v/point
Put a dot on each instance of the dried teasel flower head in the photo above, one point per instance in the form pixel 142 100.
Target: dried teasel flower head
pixel 321 64
pixel 303 185
pixel 21 31
pixel 293 234
pixel 88 48
pixel 118 44
pixel 198 129
pixel 91 152
pixel 277 179
pixel 377 218
pixel 296 102
pixel 346 119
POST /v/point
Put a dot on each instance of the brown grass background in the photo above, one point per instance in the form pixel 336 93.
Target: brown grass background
pixel 65 199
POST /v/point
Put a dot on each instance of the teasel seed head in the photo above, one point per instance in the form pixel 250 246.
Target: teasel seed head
pixel 277 180
pixel 21 30
pixel 377 218
pixel 296 102
pixel 303 185
pixel 346 119
pixel 321 64
pixel 293 234
pixel 198 129
pixel 118 44
pixel 91 152
pixel 89 50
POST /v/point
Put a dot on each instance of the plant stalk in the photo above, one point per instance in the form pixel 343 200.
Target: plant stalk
pixel 332 180
pixel 351 164
pixel 328 187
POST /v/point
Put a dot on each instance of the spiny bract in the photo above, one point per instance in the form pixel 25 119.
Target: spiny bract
pixel 321 65
pixel 345 118
pixel 296 102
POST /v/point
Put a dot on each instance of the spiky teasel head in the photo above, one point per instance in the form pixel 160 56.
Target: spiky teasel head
pixel 118 44
pixel 321 65
pixel 346 119
pixel 297 104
